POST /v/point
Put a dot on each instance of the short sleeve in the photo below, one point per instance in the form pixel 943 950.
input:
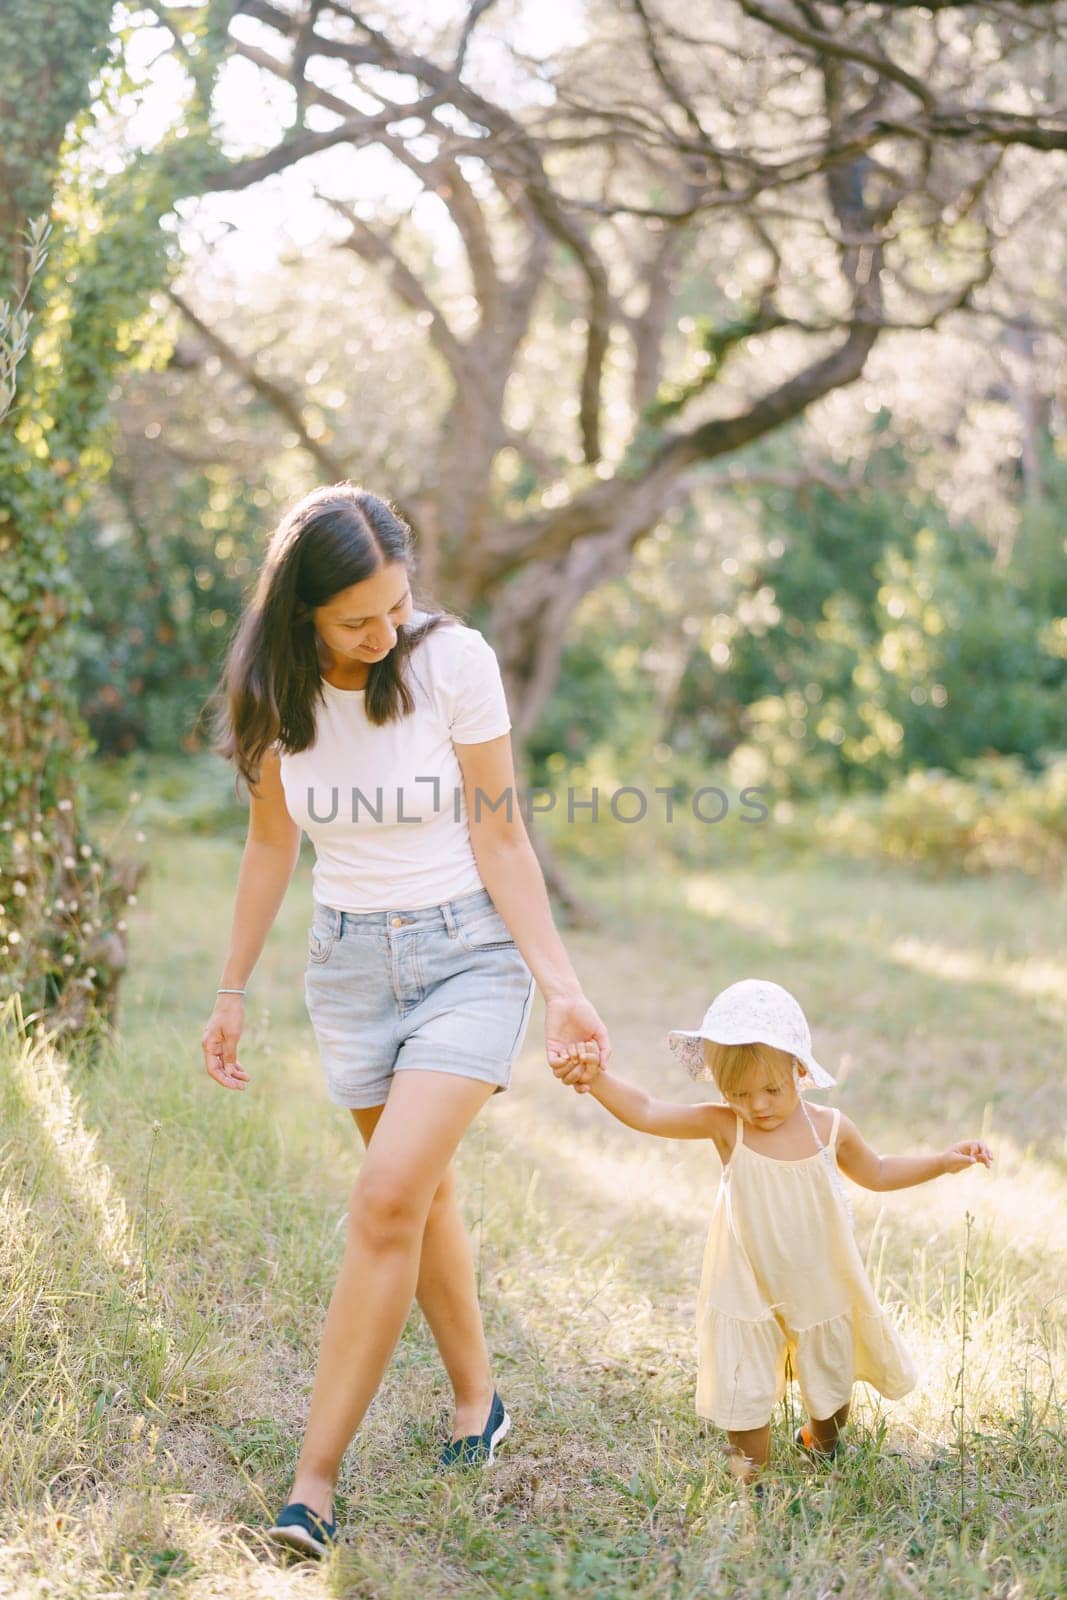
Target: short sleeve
pixel 478 704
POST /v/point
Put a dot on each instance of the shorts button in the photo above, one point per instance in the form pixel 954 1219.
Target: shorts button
pixel 398 922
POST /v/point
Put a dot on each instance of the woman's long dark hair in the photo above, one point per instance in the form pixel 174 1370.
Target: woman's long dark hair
pixel 271 679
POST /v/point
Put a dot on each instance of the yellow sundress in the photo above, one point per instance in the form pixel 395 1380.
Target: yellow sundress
pixel 782 1278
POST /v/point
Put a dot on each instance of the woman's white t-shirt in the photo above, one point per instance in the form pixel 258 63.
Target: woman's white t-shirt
pixel 384 806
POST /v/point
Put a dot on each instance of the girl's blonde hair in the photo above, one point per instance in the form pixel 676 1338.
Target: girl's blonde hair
pixel 733 1065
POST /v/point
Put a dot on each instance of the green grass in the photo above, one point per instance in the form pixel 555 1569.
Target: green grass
pixel 167 1251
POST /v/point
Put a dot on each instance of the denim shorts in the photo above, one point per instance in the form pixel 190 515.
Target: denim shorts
pixel 443 989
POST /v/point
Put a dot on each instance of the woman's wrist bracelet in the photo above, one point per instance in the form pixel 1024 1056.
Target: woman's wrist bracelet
pixel 229 991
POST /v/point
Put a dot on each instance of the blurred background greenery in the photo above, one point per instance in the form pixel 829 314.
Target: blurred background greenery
pixel 753 482
pixel 716 356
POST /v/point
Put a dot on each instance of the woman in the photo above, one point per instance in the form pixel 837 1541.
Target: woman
pixel 382 732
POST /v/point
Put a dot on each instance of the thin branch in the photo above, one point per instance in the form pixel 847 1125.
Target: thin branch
pixel 985 125
pixel 374 247
pixel 739 480
pixel 440 175
pixel 666 79
pixel 281 400
pixel 509 137
pixel 832 44
pixel 298 67
pixel 234 175
pixel 947 5
pixel 473 17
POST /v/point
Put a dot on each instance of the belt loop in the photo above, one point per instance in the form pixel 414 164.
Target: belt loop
pixel 338 922
pixel 450 918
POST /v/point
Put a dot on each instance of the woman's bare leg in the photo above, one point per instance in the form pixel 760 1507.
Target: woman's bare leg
pixel 448 1295
pixel 424 1119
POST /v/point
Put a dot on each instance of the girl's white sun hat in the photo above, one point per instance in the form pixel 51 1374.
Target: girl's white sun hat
pixel 753 1010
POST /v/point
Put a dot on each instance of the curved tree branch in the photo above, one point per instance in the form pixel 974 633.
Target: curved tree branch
pixel 280 399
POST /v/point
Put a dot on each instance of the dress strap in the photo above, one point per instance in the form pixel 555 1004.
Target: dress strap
pixel 739 1132
pixel 829 1154
pixel 725 1185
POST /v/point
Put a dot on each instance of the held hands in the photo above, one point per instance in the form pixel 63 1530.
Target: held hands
pixel 579 1066
pixel 967 1154
pixel 219 1042
pixel 576 1041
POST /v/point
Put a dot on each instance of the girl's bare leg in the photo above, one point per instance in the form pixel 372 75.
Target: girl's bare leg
pixel 448 1295
pixel 751 1450
pixel 824 1434
pixel 424 1119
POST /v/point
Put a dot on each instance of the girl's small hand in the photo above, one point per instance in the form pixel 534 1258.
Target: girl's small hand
pixel 576 1041
pixel 967 1154
pixel 577 1065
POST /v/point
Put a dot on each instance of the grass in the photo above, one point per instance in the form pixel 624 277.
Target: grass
pixel 167 1251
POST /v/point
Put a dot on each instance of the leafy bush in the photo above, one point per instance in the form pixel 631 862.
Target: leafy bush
pixel 996 816
pixel 188 794
pixel 164 600
pixel 909 649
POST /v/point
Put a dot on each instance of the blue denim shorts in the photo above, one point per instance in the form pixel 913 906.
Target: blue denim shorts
pixel 444 988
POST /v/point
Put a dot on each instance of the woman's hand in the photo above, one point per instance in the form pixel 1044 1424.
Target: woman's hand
pixel 219 1042
pixel 576 1041
pixel 967 1154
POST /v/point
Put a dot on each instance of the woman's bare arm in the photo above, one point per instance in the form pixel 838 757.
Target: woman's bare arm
pixel 511 872
pixel 271 852
pixel 267 866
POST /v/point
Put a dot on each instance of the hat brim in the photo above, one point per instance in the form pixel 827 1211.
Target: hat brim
pixel 688 1045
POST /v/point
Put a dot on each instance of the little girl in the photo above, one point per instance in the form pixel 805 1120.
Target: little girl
pixel 782 1276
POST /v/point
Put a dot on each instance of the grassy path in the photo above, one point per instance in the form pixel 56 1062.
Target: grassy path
pixel 167 1251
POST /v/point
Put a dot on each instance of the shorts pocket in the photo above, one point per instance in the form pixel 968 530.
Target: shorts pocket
pixel 322 937
pixel 484 929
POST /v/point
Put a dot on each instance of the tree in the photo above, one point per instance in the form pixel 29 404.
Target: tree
pixel 856 161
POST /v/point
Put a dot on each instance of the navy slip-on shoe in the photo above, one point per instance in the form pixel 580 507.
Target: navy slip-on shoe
pixel 478 1449
pixel 299 1528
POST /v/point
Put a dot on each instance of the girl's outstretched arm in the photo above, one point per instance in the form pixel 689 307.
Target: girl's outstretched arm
pixel 638 1109
pixel 860 1163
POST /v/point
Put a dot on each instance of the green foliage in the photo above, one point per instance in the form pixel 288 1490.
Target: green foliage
pixel 595 704
pixel 892 690
pixel 180 794
pixel 1039 559
pixel 45 74
pixel 61 904
pixel 715 341
pixel 15 318
pixel 959 659
pixel 113 255
pixel 883 639
pixel 162 608
pixel 996 816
